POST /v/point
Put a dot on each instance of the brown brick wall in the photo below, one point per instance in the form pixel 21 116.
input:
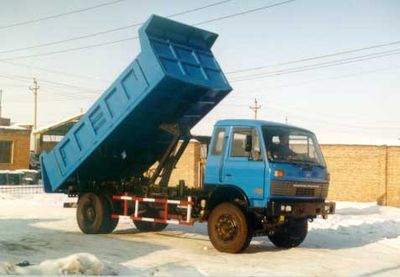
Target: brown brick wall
pixel 21 148
pixel 187 168
pixel 357 172
pixel 364 173
pixel 393 177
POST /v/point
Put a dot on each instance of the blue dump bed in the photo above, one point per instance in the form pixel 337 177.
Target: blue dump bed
pixel 175 80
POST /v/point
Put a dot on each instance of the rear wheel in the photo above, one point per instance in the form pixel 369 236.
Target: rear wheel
pixel 228 228
pixel 109 223
pixel 94 214
pixel 146 226
pixel 291 234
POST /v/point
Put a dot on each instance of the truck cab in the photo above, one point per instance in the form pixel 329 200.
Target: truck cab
pixel 274 171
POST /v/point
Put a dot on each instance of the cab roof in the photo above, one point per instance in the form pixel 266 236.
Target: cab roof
pixel 256 123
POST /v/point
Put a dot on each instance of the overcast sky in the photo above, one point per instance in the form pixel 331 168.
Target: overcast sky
pixel 351 97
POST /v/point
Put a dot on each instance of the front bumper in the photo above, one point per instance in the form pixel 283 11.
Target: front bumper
pixel 300 209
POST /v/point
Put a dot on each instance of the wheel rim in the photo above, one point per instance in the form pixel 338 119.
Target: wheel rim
pixel 226 227
pixel 90 213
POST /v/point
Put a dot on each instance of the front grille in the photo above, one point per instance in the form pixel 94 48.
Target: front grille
pixel 305 192
pixel 300 189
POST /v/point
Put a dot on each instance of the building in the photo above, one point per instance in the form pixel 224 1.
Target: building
pixel 46 138
pixel 14 146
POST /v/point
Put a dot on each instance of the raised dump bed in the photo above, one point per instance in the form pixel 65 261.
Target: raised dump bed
pixel 171 85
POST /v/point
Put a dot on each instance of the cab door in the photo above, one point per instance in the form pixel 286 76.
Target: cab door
pixel 215 159
pixel 244 166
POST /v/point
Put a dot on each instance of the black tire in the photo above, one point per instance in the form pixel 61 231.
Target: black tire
pixel 94 214
pixel 291 234
pixel 248 241
pixel 146 226
pixel 228 228
pixel 110 223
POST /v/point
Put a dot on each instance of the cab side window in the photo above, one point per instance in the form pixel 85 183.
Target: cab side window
pixel 239 141
pixel 219 142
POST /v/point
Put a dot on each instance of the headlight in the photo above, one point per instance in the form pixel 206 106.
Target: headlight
pixel 286 208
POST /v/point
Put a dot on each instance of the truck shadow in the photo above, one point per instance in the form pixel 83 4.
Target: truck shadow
pixel 352 236
pixel 341 238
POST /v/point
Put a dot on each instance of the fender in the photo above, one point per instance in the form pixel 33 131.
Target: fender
pixel 225 193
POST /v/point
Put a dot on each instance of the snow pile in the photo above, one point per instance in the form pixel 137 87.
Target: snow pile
pixel 39 199
pixel 81 263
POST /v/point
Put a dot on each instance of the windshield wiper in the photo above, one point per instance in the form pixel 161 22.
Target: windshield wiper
pixel 299 162
pixel 283 162
pixel 308 163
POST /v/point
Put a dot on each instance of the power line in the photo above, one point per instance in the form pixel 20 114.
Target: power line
pixel 70 49
pixel 135 37
pixel 256 76
pixel 315 57
pixel 235 71
pixel 331 78
pixel 111 30
pixel 54 71
pixel 318 65
pixel 59 15
pixel 244 12
pixel 306 114
pixel 21 78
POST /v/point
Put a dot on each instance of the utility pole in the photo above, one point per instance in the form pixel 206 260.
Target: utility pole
pixel 286 120
pixel 1 95
pixel 255 108
pixel 34 90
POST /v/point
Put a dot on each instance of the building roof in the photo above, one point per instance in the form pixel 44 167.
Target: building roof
pixel 60 127
pixel 14 127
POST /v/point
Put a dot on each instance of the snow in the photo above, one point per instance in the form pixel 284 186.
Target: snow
pixel 19 171
pixel 81 263
pixel 362 239
pixel 13 127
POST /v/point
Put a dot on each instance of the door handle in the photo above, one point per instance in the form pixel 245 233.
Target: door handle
pixel 228 175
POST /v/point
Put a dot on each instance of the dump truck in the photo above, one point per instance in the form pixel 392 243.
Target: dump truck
pixel 261 178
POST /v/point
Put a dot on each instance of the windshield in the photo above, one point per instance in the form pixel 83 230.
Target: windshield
pixel 284 144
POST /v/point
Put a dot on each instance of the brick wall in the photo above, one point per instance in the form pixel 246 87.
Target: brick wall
pixel 187 168
pixel 21 146
pixel 393 177
pixel 364 173
pixel 357 172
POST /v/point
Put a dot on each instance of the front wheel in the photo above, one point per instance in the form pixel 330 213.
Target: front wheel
pixel 228 228
pixel 290 234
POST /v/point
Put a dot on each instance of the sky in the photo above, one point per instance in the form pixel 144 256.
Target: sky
pixel 347 96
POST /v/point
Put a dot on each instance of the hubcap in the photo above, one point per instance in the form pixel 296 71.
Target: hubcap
pixel 90 214
pixel 226 227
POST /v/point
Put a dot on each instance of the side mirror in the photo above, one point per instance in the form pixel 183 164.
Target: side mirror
pixel 249 143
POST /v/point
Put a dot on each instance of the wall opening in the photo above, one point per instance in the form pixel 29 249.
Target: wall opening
pixel 6 148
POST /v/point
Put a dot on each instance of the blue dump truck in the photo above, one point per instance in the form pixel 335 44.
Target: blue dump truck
pixel 261 178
